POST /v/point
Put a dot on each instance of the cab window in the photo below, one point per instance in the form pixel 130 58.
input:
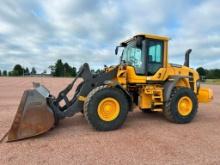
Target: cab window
pixel 133 56
pixel 155 56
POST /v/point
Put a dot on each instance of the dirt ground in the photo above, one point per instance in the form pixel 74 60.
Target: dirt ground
pixel 143 139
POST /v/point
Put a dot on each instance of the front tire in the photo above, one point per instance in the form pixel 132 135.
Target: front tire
pixel 106 108
pixel 182 106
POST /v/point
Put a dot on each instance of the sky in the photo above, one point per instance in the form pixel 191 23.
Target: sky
pixel 38 32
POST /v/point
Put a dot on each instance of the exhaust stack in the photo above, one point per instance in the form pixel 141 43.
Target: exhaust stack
pixel 186 63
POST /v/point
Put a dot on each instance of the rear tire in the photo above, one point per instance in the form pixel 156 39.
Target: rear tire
pixel 176 112
pixel 114 101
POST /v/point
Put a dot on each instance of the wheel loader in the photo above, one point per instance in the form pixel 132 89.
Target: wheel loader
pixel 143 78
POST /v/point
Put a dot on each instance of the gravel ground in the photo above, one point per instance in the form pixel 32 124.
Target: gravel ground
pixel 143 139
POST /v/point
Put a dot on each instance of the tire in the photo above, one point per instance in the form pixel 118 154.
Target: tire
pixel 172 108
pixel 95 98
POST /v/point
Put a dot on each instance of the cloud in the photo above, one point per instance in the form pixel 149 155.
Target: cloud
pixel 37 33
pixel 199 30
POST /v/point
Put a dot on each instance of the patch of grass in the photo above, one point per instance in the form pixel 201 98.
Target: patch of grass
pixel 213 81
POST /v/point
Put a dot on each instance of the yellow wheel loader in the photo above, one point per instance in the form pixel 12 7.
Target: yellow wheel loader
pixel 143 78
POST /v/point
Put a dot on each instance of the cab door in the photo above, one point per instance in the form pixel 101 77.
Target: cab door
pixel 154 60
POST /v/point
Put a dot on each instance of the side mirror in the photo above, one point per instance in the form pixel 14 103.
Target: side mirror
pixel 116 50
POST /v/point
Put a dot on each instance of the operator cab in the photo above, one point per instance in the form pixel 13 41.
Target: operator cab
pixel 146 53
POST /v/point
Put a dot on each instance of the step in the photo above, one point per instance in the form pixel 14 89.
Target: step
pixel 158 103
pixel 157 97
pixel 157 109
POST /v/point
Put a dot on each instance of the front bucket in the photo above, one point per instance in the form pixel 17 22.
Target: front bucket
pixel 33 116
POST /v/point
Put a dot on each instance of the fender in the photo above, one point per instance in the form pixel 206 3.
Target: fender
pixel 170 84
pixel 115 84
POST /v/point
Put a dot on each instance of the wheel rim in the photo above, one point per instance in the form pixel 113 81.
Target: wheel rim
pixel 108 109
pixel 185 106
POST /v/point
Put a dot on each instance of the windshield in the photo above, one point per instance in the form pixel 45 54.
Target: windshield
pixel 132 55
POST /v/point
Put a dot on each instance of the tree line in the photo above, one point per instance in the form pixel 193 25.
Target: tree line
pixel 59 69
pixel 18 70
pixel 208 73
